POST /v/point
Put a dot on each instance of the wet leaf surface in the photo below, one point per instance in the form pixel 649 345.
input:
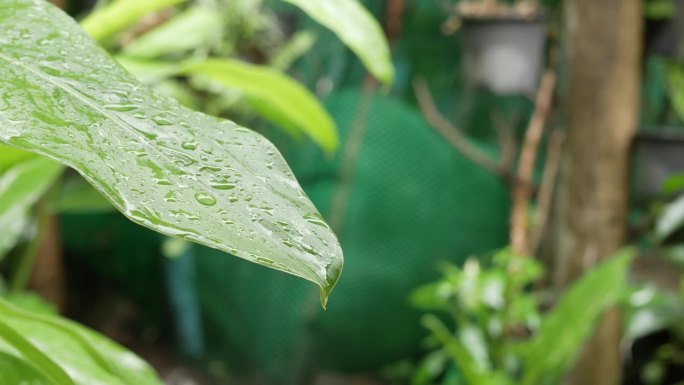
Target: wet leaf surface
pixel 168 168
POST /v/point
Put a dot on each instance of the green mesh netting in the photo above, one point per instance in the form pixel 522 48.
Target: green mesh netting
pixel 400 199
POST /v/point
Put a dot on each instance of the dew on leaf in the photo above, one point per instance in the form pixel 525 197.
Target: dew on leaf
pixel 205 199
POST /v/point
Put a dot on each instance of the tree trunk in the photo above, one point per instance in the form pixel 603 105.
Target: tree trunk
pixel 602 104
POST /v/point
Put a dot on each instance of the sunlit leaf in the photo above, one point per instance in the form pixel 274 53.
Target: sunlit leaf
pixel 566 327
pixel 14 370
pixel 83 356
pixel 473 371
pixel 274 95
pixel 671 219
pixel 357 28
pixel 10 156
pixel 188 30
pixel 168 168
pixel 119 14
pixel 20 187
pixel 149 71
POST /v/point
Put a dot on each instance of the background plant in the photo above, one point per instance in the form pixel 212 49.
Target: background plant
pixel 502 333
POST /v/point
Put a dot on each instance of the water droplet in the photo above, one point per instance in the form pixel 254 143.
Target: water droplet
pixel 210 168
pixel 161 121
pixel 223 186
pixel 205 199
pixel 121 107
pixel 265 261
pixel 315 219
pixel 189 145
pixel 288 243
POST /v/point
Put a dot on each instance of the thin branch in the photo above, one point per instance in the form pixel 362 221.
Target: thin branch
pixel 528 154
pixel 504 133
pixel 452 134
pixel 545 196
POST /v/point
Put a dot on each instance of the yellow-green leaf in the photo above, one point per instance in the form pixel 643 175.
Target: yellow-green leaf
pixel 357 28
pixel 274 95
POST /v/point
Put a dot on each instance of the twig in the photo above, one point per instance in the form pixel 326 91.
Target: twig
pixel 504 132
pixel 528 154
pixel 452 134
pixel 394 15
pixel 545 195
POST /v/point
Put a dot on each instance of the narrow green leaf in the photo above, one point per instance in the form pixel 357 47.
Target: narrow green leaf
pixel 76 196
pixel 85 356
pixel 357 28
pixel 18 342
pixel 298 45
pixel 174 170
pixel 473 371
pixel 10 156
pixel 20 188
pixel 191 29
pixel 149 71
pixel 119 14
pixel 563 331
pixel 671 219
pixel 14 370
pixel 274 95
pixel 675 80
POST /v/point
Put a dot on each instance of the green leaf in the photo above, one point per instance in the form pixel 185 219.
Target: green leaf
pixel 119 14
pixel 298 45
pixel 149 71
pixel 76 196
pixel 674 184
pixel 68 352
pixel 10 156
pixel 671 219
pixel 675 77
pixel 174 170
pixel 473 371
pixel 20 188
pixel 357 28
pixel 12 340
pixel 563 331
pixel 468 366
pixel 14 370
pixel 659 9
pixel 274 95
pixel 188 30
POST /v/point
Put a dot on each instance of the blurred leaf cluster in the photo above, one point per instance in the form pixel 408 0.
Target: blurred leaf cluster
pixel 650 307
pixel 502 333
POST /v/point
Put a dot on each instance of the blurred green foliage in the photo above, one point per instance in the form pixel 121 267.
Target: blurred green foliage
pixel 502 335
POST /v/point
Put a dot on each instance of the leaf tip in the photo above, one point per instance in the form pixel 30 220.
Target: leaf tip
pixel 332 276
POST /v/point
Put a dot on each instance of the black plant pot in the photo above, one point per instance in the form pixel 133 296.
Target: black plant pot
pixel 656 157
pixel 504 55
